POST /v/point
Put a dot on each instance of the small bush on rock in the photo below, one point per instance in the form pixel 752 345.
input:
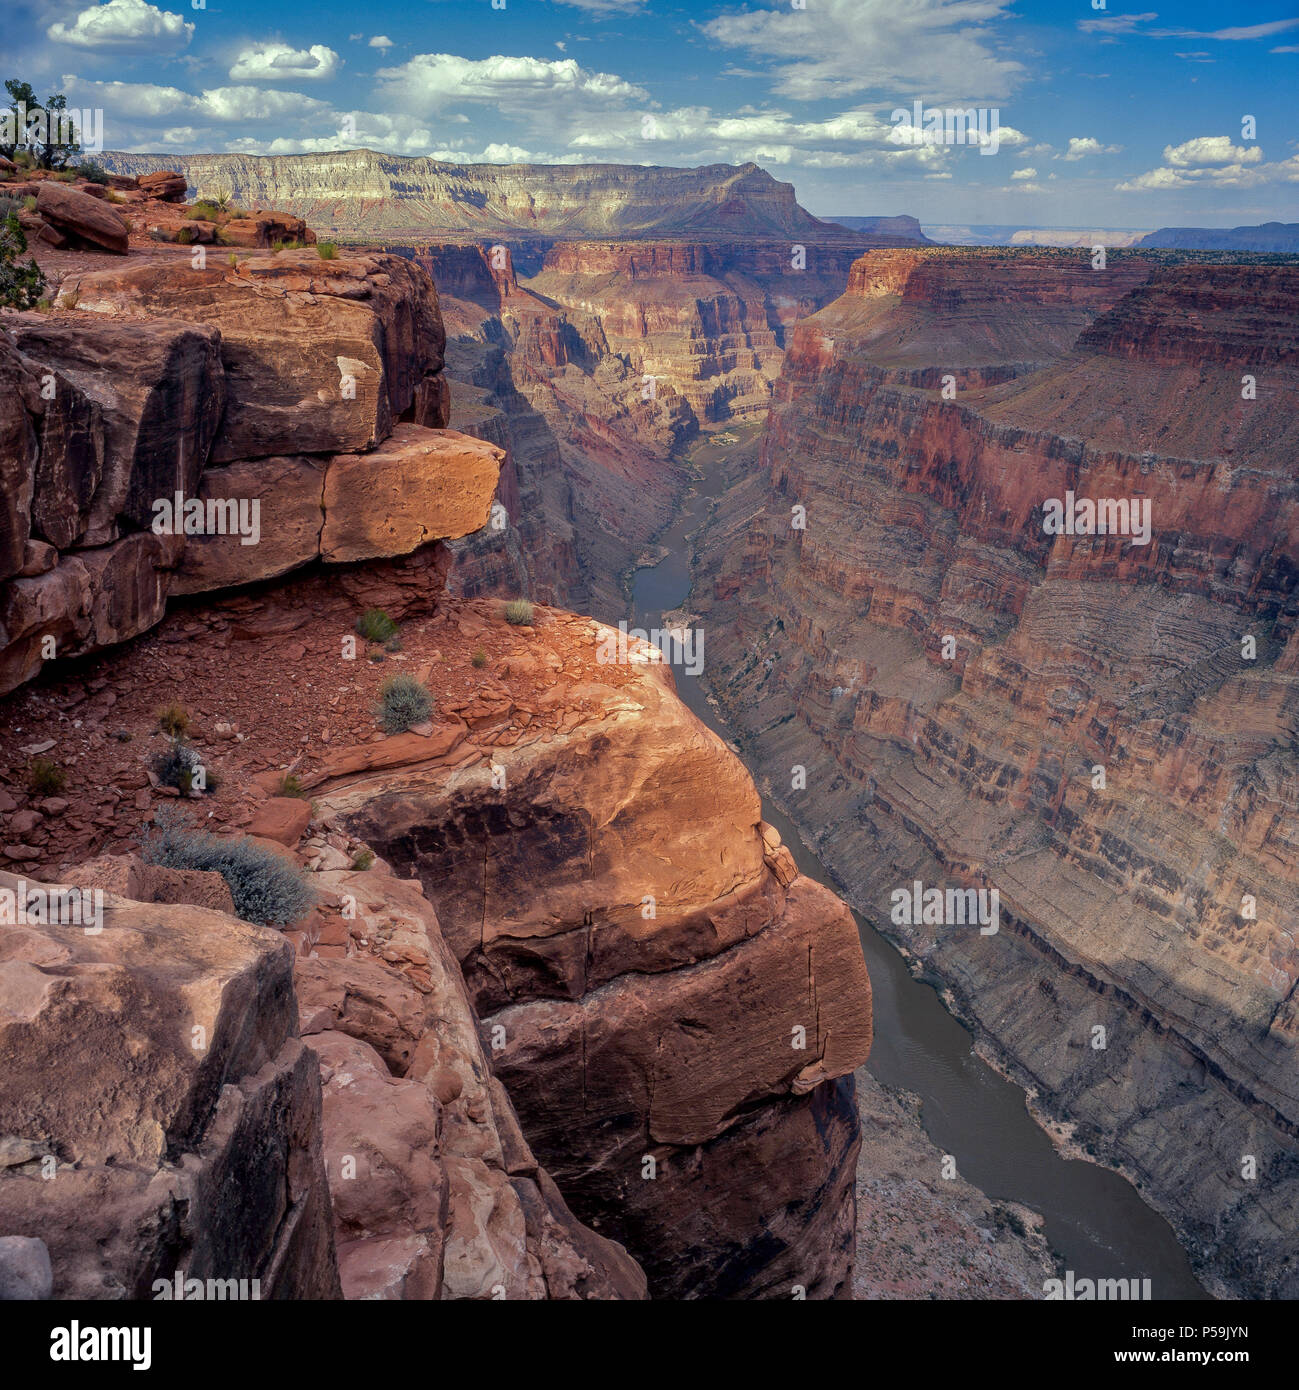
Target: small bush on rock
pixel 267 888
pixel 403 701
pixel 326 250
pixel 518 612
pixel 376 626
pixel 479 659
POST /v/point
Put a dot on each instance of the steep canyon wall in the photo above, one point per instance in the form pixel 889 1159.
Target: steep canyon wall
pixel 1103 731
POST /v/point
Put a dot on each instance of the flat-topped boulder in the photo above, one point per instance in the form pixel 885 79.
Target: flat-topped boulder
pixel 418 485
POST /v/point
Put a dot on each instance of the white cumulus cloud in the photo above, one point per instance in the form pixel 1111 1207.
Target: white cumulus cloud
pixel 1080 146
pixel 1211 149
pixel 932 49
pixel 124 24
pixel 277 62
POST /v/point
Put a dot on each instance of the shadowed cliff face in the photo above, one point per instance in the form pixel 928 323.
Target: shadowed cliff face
pixel 1074 719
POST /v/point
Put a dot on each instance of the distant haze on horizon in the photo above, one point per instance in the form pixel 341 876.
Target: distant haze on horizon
pixel 1102 119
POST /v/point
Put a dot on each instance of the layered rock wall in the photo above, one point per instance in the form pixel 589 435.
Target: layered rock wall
pixel 1100 729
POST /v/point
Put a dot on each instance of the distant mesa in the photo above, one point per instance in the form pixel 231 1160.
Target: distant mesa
pixel 1282 237
pixel 365 195
pixel 902 226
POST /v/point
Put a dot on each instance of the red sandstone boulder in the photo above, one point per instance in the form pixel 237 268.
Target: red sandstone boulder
pixel 418 485
pixel 177 1123
pixel 165 184
pixel 319 356
pixel 128 876
pixel 290 514
pixel 92 599
pixel 282 819
pixel 82 219
pixel 266 228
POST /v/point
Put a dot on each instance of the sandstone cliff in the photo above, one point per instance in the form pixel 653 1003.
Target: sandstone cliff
pixel 1072 719
pixel 311 389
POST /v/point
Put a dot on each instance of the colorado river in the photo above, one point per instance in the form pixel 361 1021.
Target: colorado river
pixel 1093 1217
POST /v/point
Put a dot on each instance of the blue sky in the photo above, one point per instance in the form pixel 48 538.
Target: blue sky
pixel 1122 116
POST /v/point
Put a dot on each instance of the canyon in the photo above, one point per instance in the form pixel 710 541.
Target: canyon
pixel 558 987
pixel 567 1019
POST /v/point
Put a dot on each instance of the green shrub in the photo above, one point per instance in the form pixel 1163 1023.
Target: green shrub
pixel 362 860
pixel 45 778
pixel 327 250
pixel 203 211
pixel 267 888
pixel 403 701
pixel 66 176
pixel 518 612
pixel 376 626
pixel 479 659
pixel 92 173
pixel 185 235
pixel 29 203
pixel 291 785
